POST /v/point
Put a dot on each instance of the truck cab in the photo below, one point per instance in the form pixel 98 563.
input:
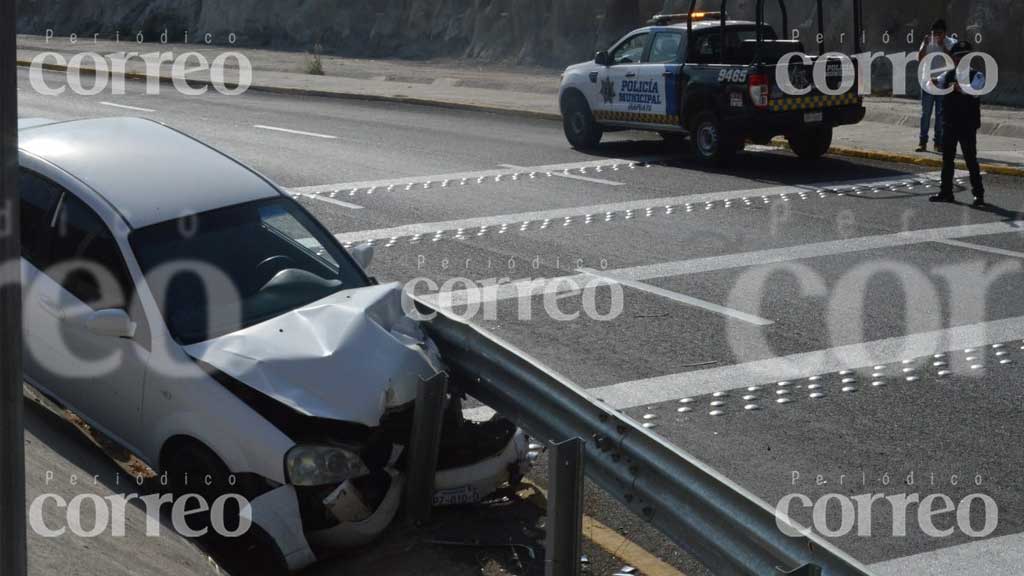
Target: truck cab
pixel 710 78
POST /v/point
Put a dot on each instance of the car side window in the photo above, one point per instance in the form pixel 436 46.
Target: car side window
pixel 631 51
pixel 79 235
pixel 707 49
pixel 38 198
pixel 665 47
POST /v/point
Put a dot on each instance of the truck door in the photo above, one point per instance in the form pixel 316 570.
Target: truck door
pixel 658 82
pixel 625 60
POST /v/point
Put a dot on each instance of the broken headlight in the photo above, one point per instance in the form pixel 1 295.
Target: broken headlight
pixel 309 465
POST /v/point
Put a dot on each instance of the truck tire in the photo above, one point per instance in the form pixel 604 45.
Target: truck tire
pixel 581 130
pixel 811 143
pixel 712 143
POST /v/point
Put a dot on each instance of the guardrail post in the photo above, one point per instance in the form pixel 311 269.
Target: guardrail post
pixel 424 444
pixel 565 509
pixel 12 432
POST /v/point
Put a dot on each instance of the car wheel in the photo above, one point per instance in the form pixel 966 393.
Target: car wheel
pixel 187 465
pixel 711 142
pixel 581 130
pixel 812 143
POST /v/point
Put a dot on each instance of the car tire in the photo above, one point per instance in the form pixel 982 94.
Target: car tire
pixel 581 130
pixel 712 143
pixel 811 143
pixel 254 552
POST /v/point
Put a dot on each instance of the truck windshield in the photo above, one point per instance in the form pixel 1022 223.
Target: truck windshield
pixel 218 272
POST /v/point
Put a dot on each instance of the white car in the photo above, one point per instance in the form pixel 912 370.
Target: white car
pixel 186 307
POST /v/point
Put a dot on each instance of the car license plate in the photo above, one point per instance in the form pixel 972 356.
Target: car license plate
pixel 812 117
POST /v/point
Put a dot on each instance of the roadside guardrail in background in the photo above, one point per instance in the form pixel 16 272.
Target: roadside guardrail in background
pixel 727 528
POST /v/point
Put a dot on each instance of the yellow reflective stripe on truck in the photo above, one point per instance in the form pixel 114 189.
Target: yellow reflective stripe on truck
pixel 812 102
pixel 636 117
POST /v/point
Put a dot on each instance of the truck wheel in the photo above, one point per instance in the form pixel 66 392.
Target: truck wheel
pixel 812 143
pixel 712 143
pixel 578 122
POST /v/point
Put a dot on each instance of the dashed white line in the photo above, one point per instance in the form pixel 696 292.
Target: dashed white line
pixel 515 290
pixel 681 298
pixel 479 174
pixel 571 176
pixel 797 366
pixel 348 205
pixel 298 132
pixel 983 248
pixel 490 221
pixel 126 107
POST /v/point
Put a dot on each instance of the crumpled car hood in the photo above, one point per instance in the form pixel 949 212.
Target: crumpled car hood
pixel 348 357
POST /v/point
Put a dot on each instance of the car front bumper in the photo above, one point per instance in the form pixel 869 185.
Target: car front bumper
pixel 277 512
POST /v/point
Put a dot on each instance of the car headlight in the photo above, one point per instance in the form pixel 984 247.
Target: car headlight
pixel 321 465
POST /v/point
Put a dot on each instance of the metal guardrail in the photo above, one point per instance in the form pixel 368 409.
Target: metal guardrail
pixel 724 526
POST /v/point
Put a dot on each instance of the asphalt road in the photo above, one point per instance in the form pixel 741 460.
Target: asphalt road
pixel 890 329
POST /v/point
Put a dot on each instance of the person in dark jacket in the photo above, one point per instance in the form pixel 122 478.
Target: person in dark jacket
pixel 961 120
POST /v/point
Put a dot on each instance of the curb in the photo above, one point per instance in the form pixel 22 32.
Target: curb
pixel 902 158
pixel 533 114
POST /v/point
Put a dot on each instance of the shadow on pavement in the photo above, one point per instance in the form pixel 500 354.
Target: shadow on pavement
pixel 772 167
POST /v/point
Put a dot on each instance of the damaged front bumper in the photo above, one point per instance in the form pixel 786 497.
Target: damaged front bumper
pixel 361 509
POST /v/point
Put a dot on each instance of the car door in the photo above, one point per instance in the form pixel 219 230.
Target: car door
pixel 655 96
pixel 87 273
pixel 624 60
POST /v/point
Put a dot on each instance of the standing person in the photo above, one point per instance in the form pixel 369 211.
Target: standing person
pixel 962 119
pixel 937 41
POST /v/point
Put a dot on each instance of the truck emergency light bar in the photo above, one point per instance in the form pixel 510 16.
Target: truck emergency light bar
pixel 665 19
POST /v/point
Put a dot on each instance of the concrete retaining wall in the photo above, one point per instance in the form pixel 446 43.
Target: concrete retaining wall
pixel 543 32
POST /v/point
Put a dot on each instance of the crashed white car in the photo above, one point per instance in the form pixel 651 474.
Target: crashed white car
pixel 186 307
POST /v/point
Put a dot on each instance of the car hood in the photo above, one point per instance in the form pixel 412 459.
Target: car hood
pixel 581 67
pixel 348 357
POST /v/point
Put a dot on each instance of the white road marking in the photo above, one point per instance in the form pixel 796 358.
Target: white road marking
pixel 329 200
pixel 558 213
pixel 681 298
pixel 299 132
pixel 478 174
pixel 571 176
pixel 126 107
pixel 797 366
pixel 983 248
pixel 1001 556
pixel 514 290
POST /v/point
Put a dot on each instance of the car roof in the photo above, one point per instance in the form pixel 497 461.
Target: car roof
pixel 148 172
pixel 700 25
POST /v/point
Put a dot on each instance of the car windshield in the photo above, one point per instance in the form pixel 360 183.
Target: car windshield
pixel 224 270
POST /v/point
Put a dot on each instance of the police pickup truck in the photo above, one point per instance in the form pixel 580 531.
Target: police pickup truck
pixel 712 79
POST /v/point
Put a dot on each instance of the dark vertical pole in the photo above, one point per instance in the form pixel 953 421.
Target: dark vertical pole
pixel 565 509
pixel 12 433
pixel 821 29
pixel 427 422
pixel 858 24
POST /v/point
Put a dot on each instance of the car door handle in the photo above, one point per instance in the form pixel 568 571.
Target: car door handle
pixel 630 74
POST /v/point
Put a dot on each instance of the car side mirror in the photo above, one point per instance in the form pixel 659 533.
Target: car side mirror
pixel 601 58
pixel 363 255
pixel 112 323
